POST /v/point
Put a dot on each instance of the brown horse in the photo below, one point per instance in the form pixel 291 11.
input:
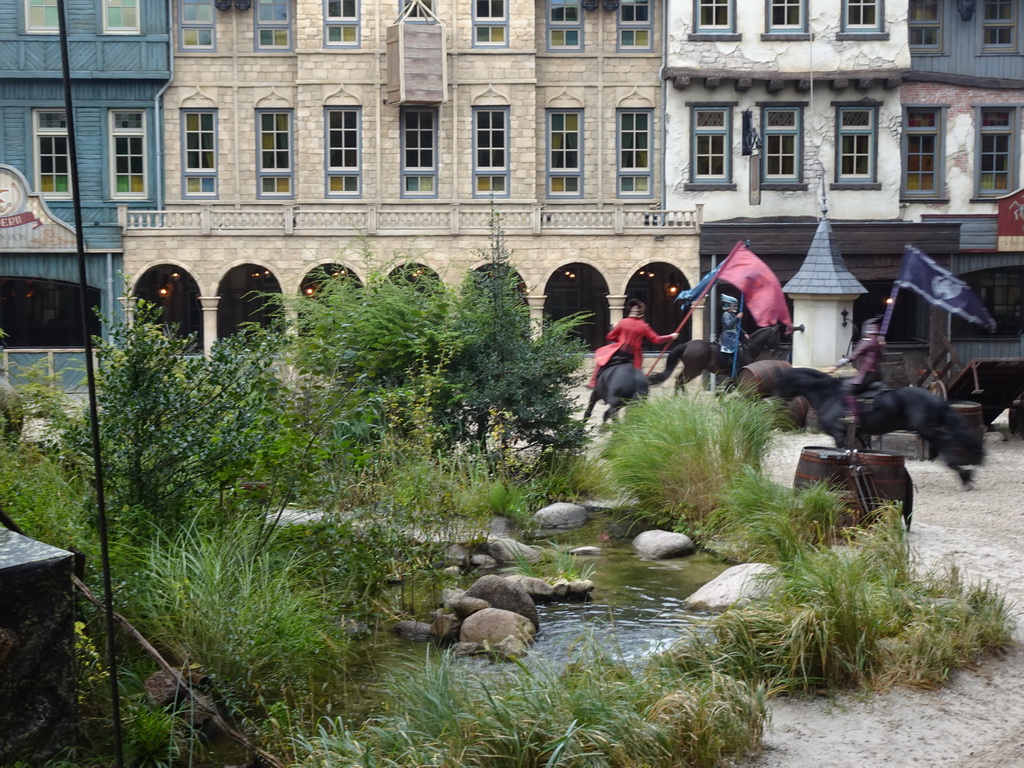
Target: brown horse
pixel 699 356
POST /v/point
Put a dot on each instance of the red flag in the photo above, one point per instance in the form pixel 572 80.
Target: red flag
pixel 761 289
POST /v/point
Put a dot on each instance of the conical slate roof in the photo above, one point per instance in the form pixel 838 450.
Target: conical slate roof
pixel 823 271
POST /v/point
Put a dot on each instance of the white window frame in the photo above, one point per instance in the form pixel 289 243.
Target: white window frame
pixel 348 174
pixel 127 8
pixel 46 8
pixel 275 171
pixel 341 19
pixel 135 136
pixel 205 147
pixel 41 133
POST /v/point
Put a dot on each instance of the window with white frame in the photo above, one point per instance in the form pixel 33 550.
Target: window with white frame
pixel 999 24
pixel 490 24
pixel 565 153
pixel 121 16
pixel 41 16
pixel 273 25
pixel 856 144
pixel 714 16
pixel 786 16
pixel 420 10
pixel 274 154
pixel 199 153
pixel 343 125
pixel 922 158
pixel 997 150
pixel 781 144
pixel 490 152
pixel 635 166
pixel 127 154
pixel 196 25
pixel 565 25
pixel 862 16
pixel 53 161
pixel 710 142
pixel 341 23
pixel 635 26
pixel 924 26
pixel 419 152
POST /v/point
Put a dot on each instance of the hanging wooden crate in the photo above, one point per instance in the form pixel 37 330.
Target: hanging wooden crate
pixel 417 66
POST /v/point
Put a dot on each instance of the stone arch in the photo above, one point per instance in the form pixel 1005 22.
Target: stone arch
pixel 656 284
pixel 176 292
pixel 316 276
pixel 243 293
pixel 341 97
pixel 490 97
pixel 271 99
pixel 579 287
pixel 485 268
pixel 635 100
pixel 413 273
pixel 565 100
pixel 197 99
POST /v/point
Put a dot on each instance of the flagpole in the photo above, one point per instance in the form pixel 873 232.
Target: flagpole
pixel 889 309
pixel 695 302
pixel 739 333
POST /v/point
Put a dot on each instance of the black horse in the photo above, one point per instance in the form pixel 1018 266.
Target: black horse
pixel 617 383
pixel 699 356
pixel 904 408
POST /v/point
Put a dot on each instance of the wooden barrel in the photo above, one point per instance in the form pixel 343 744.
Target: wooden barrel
pixel 971 413
pixel 891 479
pixel 1016 416
pixel 760 377
pixel 822 465
pixel 795 412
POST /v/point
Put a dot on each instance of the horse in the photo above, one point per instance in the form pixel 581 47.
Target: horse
pixel 618 383
pixel 904 408
pixel 699 356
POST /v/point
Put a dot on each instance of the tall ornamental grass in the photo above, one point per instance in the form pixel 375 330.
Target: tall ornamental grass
pixel 676 456
pixel 853 617
pixel 595 713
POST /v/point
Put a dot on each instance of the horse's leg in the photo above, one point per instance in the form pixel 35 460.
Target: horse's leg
pixel 614 406
pixel 594 397
pixel 938 441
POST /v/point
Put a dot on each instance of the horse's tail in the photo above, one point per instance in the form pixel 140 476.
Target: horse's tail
pixel 965 441
pixel 671 361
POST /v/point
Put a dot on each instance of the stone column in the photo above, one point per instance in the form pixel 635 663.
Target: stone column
pixel 824 339
pixel 616 308
pixel 536 303
pixel 128 307
pixel 209 305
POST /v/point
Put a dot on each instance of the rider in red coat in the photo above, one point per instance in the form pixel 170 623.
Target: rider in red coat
pixel 628 337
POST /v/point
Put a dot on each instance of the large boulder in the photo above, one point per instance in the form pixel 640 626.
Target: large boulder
pixel 506 595
pixel 493 625
pixel 538 589
pixel 735 586
pixel 561 514
pixel 660 545
pixel 506 550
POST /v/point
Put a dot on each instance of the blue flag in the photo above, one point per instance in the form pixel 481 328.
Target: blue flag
pixel 685 298
pixel 921 274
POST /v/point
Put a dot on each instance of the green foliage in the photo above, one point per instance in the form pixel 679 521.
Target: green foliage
pixel 677 456
pixel 240 607
pixel 594 713
pixel 852 617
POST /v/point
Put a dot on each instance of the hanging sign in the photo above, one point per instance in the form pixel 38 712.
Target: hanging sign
pixel 26 224
pixel 1010 222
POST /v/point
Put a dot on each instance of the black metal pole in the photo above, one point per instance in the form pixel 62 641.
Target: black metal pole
pixel 115 704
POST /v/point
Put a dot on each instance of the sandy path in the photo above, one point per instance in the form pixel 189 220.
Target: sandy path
pixel 975 721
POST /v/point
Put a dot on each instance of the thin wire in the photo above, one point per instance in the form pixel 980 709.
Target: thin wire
pixel 76 198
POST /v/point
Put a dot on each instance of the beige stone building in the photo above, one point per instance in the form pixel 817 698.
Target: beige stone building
pixel 300 134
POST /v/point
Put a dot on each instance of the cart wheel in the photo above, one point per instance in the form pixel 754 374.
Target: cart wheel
pixel 938 388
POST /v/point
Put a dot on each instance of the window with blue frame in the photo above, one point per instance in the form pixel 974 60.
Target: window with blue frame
pixel 635 171
pixel 999 25
pixel 997 154
pixel 199 153
pixel 490 152
pixel 565 153
pixel 41 16
pixel 490 24
pixel 273 25
pixel 862 16
pixel 781 144
pixel 197 30
pixel 121 16
pixel 924 26
pixel 52 158
pixel 128 154
pixel 710 141
pixel 341 23
pixel 635 32
pixel 786 17
pixel 565 25
pixel 419 152
pixel 343 125
pixel 856 144
pixel 922 152
pixel 714 16
pixel 274 169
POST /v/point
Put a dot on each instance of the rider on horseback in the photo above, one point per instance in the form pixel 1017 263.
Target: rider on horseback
pixel 731 317
pixel 866 358
pixel 627 339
